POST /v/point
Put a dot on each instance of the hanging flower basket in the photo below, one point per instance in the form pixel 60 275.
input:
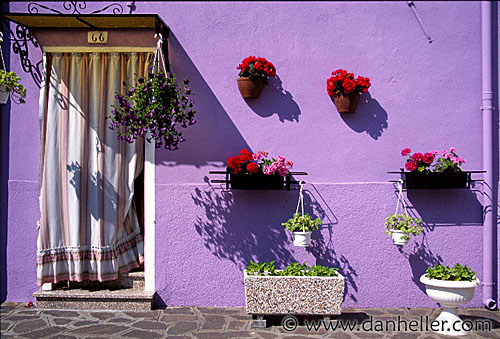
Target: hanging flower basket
pixel 398 237
pixel 4 94
pixel 302 239
pixel 345 90
pixel 9 84
pixel 346 104
pixel 155 108
pixel 249 88
pixel 253 75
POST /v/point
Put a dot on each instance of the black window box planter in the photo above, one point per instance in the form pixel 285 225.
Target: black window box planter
pixel 437 180
pixel 434 180
pixel 257 181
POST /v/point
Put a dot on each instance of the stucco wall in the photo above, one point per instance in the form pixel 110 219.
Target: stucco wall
pixel 423 96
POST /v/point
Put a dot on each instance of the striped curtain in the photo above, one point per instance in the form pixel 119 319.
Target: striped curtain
pixel 88 227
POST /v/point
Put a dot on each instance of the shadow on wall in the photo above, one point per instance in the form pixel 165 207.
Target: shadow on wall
pixel 4 173
pixel 419 259
pixel 369 117
pixel 322 247
pixel 443 207
pixel 245 225
pixel 214 137
pixel 275 100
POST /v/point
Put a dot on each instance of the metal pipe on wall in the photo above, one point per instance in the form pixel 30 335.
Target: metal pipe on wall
pixel 489 221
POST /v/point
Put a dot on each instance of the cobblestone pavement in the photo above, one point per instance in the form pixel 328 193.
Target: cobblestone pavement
pixel 19 321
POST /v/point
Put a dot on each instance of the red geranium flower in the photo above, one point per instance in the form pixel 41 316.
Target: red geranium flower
pixel 246 155
pixel 417 157
pixel 410 166
pixel 343 83
pixel 428 158
pixel 405 151
pixel 255 68
pixel 252 167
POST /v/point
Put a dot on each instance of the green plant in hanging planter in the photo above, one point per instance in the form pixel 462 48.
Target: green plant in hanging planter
pixel 302 223
pixel 157 105
pixel 404 223
pixel 9 82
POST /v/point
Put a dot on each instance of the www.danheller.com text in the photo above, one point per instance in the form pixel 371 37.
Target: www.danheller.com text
pixel 399 324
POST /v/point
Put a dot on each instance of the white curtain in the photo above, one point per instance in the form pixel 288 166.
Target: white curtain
pixel 88 226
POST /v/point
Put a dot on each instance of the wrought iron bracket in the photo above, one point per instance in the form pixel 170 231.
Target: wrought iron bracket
pixel 21 39
pixel 288 179
pixel 468 183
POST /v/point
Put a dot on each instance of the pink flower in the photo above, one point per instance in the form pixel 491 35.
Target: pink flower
pixel 405 151
pixel 454 159
pixel 289 163
pixel 452 149
pixel 443 151
pixel 283 171
pixel 461 160
pixel 259 155
pixel 435 152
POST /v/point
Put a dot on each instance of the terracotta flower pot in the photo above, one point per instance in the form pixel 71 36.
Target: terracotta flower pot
pixel 249 88
pixel 346 104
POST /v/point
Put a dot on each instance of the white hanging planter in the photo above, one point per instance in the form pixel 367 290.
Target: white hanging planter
pixel 302 239
pixel 4 94
pixel 450 294
pixel 397 237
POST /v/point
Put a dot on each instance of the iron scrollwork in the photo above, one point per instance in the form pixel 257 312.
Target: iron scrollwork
pixel 21 37
pixel 74 7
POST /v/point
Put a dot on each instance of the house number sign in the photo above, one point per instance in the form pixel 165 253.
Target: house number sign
pixel 98 37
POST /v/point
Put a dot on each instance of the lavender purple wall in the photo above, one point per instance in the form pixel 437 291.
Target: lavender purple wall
pixel 423 96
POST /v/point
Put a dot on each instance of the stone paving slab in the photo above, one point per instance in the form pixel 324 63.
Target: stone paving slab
pixel 19 321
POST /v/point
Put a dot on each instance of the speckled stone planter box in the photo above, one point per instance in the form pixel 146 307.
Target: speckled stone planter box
pixel 293 295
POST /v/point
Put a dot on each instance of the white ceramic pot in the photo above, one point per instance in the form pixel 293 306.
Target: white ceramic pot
pixel 302 239
pixel 450 294
pixel 397 237
pixel 4 94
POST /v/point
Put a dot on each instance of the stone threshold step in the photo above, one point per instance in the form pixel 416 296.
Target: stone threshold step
pixel 122 299
pixel 134 280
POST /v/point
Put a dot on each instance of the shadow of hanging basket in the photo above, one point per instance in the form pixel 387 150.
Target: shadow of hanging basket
pixel 250 89
pixel 346 104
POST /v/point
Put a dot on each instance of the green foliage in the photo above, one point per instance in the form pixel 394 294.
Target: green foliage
pixel 302 223
pixel 403 223
pixel 11 80
pixel 456 273
pixel 261 268
pixel 294 269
